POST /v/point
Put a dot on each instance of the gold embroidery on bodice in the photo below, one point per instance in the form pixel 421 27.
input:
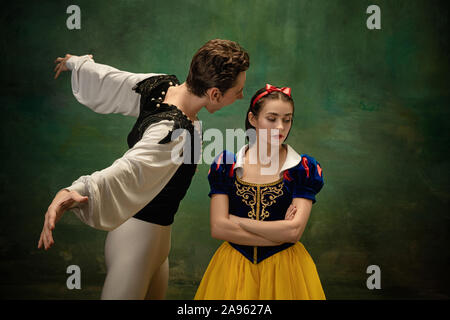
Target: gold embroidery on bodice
pixel 258 196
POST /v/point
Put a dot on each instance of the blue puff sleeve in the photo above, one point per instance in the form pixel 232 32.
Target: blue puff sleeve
pixel 220 175
pixel 308 178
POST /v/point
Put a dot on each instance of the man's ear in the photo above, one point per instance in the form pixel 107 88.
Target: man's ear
pixel 214 95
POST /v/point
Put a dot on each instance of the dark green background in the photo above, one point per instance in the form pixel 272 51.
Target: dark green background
pixel 371 107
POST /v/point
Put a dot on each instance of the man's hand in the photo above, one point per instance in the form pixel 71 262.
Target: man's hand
pixel 63 201
pixel 61 64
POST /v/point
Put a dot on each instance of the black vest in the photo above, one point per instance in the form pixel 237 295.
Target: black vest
pixel 162 208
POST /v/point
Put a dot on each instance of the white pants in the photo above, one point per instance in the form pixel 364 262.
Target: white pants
pixel 136 256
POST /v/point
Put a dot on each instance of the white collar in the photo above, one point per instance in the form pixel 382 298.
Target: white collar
pixel 292 158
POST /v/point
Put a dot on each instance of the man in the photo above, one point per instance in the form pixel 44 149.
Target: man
pixel 136 198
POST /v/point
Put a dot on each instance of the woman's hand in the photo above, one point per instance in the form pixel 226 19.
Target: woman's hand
pixel 61 64
pixel 290 213
pixel 63 201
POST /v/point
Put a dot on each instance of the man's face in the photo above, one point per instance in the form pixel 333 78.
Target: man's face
pixel 230 96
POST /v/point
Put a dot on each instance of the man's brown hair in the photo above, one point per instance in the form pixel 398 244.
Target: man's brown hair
pixel 216 64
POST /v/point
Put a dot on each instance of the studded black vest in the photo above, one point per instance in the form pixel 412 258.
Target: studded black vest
pixel 161 210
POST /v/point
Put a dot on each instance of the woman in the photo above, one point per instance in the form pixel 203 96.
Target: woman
pixel 261 208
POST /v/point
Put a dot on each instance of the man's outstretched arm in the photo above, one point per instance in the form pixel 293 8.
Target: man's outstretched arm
pixel 107 198
pixel 100 87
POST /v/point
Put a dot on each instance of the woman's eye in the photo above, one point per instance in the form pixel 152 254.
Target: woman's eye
pixel 287 120
pixel 271 119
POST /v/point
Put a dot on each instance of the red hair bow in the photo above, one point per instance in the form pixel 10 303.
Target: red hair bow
pixel 270 88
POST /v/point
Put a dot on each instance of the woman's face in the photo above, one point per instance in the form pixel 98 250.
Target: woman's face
pixel 273 121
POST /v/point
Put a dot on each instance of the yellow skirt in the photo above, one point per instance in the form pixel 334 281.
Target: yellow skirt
pixel 287 275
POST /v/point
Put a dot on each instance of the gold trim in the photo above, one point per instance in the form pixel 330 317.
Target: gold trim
pixel 254 194
pixel 269 195
pixel 248 196
pixel 258 184
pixel 258 200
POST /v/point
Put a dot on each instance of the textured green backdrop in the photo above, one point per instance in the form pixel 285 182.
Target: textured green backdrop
pixel 371 106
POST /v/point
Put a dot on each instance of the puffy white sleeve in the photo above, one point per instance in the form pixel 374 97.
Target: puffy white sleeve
pixel 105 89
pixel 118 192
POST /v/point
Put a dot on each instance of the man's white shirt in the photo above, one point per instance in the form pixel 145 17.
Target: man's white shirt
pixel 132 181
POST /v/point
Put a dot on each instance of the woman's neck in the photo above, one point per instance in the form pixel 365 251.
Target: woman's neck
pixel 265 155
